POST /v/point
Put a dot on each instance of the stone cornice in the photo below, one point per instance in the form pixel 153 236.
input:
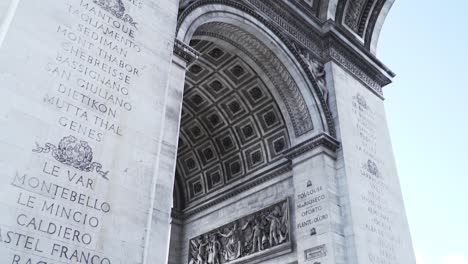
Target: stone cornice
pixel 372 22
pixel 185 52
pixel 322 140
pixel 335 44
pixel 312 12
pixel 176 216
pixel 341 54
pixel 271 173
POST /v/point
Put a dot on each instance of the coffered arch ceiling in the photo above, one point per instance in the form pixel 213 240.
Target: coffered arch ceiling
pixel 230 142
pixel 242 106
pixel 231 124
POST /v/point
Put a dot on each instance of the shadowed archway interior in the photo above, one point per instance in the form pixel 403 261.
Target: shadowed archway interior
pixel 231 125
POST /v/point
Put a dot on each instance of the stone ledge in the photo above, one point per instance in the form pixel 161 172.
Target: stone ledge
pixel 185 52
pixel 321 140
pixel 272 172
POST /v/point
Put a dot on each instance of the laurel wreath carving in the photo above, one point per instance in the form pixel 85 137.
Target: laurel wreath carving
pixel 72 152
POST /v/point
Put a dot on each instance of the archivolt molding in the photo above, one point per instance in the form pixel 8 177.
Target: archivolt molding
pixel 361 18
pixel 355 57
pixel 376 23
pixel 311 7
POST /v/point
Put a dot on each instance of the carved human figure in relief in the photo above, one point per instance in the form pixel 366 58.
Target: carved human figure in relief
pixel 257 236
pixel 198 251
pixel 319 73
pixel 278 226
pixel 214 247
pixel 234 248
pixel 256 233
pixel 284 230
pixel 274 234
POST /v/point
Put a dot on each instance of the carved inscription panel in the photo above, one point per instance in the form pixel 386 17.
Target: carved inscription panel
pixel 312 207
pixel 376 197
pixel 375 207
pixel 80 79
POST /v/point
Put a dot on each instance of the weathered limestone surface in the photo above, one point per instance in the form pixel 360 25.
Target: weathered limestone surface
pixel 83 96
pixel 7 9
pixel 160 228
pixel 318 214
pixel 375 224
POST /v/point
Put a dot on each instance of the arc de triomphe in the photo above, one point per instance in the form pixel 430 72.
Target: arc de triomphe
pixel 199 132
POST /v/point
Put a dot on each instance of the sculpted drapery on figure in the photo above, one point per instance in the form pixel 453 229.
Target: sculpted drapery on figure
pixel 252 234
pixel 318 72
pixel 234 247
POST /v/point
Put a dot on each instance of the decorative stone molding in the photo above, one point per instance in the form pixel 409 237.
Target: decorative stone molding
pixel 360 17
pixel 256 236
pixel 310 7
pixel 273 172
pixel 291 30
pixel 323 140
pixel 374 16
pixel 185 52
pixel 368 76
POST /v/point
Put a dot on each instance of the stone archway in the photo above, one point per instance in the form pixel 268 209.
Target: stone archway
pixel 233 131
pixel 231 125
pixel 244 107
pixel 242 27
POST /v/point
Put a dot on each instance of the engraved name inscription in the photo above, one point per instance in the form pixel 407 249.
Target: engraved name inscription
pixel 376 193
pixel 60 206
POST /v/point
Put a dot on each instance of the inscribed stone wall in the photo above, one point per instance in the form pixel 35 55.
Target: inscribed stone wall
pixel 78 148
pixel 376 225
pixel 317 210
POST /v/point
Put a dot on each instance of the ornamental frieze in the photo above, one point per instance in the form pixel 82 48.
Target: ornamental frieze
pixel 256 234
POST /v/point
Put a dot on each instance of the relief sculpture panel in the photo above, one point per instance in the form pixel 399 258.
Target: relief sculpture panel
pixel 254 235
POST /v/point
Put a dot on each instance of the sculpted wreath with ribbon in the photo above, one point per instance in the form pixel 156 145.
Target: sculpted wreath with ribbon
pixel 116 8
pixel 72 152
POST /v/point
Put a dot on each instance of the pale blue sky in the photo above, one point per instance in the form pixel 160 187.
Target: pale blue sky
pixel 426 44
